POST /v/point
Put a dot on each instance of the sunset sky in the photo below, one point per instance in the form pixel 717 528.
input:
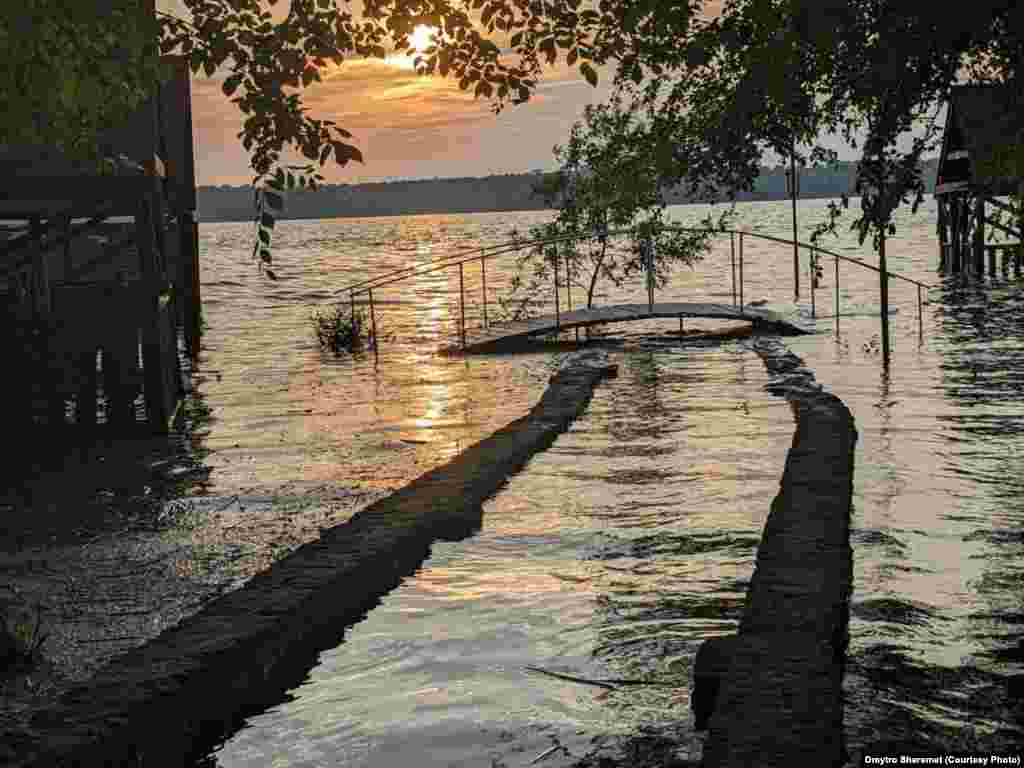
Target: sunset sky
pixel 406 126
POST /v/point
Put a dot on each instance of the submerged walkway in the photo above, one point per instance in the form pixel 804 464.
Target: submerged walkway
pixel 172 700
pixel 485 337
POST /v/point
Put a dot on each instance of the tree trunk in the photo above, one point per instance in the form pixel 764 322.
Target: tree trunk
pixel 593 277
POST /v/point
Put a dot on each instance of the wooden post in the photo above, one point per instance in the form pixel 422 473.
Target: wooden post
pixel 941 203
pixel 979 235
pixel 352 304
pixel 188 271
pixel 954 244
pixel 169 351
pixel 85 405
pixel 197 298
pixel 991 262
pixel 41 296
pixel 965 230
pixel 483 276
pixel 462 307
pixel 66 220
pixel 157 412
pixel 732 254
pixel 120 358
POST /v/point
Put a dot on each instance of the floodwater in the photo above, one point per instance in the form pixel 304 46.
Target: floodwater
pixel 616 552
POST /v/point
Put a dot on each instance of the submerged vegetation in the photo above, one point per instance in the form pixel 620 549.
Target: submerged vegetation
pixel 339 330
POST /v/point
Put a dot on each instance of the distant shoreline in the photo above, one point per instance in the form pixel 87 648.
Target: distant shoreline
pixel 205 219
pixel 489 194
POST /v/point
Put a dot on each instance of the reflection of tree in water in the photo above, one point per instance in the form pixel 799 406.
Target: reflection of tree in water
pixel 638 412
pixel 930 709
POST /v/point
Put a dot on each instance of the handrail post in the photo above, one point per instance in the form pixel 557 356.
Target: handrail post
pixel 837 296
pixel 741 271
pixel 814 265
pixel 568 292
pixel 732 259
pixel 373 319
pixel 462 306
pixel 650 277
pixel 352 303
pixel 920 319
pixel 558 323
pixel 483 273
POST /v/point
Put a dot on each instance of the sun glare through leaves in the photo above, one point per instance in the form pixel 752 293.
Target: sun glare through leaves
pixel 420 39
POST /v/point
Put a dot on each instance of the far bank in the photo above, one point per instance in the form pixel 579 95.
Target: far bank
pixel 489 194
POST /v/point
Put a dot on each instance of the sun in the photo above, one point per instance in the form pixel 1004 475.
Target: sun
pixel 421 38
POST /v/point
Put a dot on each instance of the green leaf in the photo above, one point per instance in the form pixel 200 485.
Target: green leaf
pixel 264 236
pixel 517 38
pixel 589 73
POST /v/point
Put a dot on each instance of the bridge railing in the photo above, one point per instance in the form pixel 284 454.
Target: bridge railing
pixel 482 254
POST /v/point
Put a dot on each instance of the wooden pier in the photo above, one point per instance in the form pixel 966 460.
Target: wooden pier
pixel 580 318
pixel 101 283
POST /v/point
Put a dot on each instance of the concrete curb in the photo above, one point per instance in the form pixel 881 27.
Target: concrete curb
pixel 171 700
pixel 772 694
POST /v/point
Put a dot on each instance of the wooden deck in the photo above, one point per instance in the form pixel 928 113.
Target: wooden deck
pixel 480 338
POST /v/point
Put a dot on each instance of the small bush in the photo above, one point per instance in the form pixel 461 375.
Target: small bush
pixel 339 330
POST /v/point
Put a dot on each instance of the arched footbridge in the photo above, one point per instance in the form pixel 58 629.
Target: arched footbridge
pixel 488 334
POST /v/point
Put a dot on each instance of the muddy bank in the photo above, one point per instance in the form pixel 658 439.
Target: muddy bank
pixel 773 692
pixel 171 700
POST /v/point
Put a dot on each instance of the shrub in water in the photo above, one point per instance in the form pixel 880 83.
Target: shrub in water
pixel 339 330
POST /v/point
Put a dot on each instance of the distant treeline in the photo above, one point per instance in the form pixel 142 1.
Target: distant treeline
pixel 511 192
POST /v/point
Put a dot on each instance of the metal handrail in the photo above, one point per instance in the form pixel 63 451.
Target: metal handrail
pixel 514 245
pixel 444 262
pixel 483 253
pixel 811 247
